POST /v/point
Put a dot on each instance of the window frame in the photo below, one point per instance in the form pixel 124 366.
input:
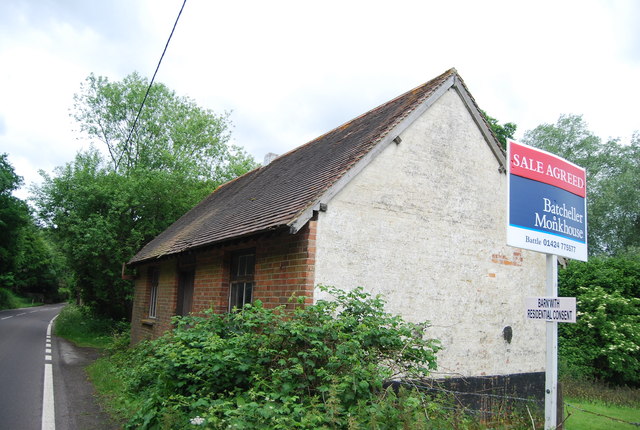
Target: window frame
pixel 242 270
pixel 154 282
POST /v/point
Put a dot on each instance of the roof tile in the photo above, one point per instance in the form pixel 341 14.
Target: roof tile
pixel 275 195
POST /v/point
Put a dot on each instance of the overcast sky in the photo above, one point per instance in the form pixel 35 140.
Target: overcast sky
pixel 289 71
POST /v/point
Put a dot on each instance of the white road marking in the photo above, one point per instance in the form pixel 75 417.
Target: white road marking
pixel 48 402
pixel 48 406
pixel 6 318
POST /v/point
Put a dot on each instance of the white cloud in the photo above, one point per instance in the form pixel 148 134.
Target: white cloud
pixel 291 70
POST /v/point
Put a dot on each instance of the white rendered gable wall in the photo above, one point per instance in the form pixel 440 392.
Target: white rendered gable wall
pixel 424 225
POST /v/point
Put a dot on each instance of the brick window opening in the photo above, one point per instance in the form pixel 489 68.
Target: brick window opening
pixel 243 265
pixel 186 279
pixel 154 275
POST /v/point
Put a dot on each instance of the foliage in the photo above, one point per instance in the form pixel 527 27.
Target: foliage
pixel 81 326
pixel 101 210
pixel 613 180
pixel 14 215
pixel 319 366
pixel 589 390
pixel 29 264
pixel 502 131
pixel 605 342
pixel 5 299
pixel 9 300
pixel 172 134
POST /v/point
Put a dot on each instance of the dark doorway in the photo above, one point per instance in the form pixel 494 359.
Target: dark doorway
pixel 185 291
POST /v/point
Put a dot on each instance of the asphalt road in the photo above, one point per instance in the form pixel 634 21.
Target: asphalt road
pixel 22 347
pixel 22 363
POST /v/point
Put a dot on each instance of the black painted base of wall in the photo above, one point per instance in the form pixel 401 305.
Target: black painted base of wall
pixel 488 394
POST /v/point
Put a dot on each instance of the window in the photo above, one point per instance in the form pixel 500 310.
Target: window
pixel 242 271
pixel 186 278
pixel 154 275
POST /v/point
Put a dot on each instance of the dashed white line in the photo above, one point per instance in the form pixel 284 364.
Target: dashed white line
pixel 48 402
pixel 6 318
pixel 48 408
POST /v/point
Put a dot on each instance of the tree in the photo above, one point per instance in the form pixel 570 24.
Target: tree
pixel 14 215
pixel 103 206
pixel 172 133
pixel 613 180
pixel 502 132
pixel 615 211
pixel 29 265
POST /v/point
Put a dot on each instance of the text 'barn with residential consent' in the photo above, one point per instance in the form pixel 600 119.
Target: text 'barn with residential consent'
pixel 407 200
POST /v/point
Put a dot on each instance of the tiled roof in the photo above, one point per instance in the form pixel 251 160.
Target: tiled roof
pixel 283 192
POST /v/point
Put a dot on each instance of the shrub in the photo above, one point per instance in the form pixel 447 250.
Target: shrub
pixel 318 366
pixel 604 344
pixel 6 299
pixel 81 325
pixel 10 300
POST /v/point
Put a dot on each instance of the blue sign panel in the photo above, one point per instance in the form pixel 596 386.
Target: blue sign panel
pixel 543 207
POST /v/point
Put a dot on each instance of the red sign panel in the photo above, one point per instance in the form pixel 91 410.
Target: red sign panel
pixel 540 166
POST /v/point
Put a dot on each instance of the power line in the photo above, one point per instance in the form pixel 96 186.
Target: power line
pixel 135 122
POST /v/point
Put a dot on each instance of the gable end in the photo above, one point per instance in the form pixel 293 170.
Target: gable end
pixel 453 81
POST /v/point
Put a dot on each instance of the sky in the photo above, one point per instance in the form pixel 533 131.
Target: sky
pixel 289 71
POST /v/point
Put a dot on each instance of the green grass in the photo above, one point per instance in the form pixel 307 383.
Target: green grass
pixel 595 418
pixel 112 391
pixel 590 402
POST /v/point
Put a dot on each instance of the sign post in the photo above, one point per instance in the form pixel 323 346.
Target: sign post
pixel 547 212
pixel 551 368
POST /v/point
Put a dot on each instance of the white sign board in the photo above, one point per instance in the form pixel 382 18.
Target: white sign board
pixel 553 309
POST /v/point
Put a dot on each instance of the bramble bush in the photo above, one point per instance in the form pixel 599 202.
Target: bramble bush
pixel 318 366
pixel 604 343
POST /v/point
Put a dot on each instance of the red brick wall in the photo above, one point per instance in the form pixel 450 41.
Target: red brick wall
pixel 285 265
pixel 143 327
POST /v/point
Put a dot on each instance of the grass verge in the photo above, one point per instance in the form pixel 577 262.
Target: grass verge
pixel 594 405
pixel 113 393
pixel 599 416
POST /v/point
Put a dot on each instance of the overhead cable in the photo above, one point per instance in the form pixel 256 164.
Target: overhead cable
pixel 135 122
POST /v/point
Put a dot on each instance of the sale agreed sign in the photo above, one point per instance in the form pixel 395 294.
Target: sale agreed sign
pixel 547 208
